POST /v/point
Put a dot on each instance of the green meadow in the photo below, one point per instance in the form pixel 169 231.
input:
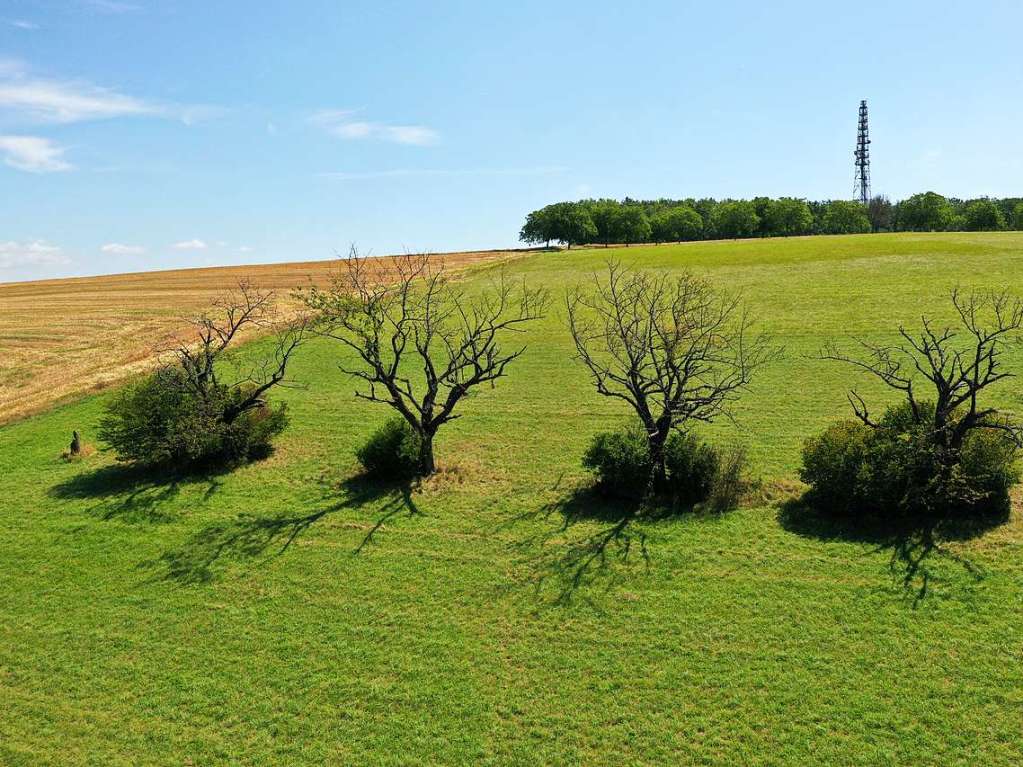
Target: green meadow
pixel 289 612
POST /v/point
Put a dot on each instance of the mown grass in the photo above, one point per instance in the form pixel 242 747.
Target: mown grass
pixel 289 612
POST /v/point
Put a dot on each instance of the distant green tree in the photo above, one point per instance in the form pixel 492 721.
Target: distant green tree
pixel 633 225
pixel 705 207
pixel 605 215
pixel 571 223
pixel 926 212
pixel 734 219
pixel 881 214
pixel 845 217
pixel 539 227
pixel 676 224
pixel 1017 217
pixel 762 207
pixel 787 216
pixel 817 210
pixel 983 215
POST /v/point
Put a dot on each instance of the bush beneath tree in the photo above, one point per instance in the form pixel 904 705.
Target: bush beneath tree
pixel 160 421
pixel 696 472
pixel 394 451
pixel 186 415
pixel 898 473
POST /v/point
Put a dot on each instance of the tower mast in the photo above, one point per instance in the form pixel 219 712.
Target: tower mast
pixel 861 187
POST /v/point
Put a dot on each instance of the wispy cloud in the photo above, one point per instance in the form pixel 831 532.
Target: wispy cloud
pixel 32 253
pixel 67 102
pixel 11 67
pixel 44 100
pixel 190 245
pixel 22 24
pixel 441 172
pixel 33 154
pixel 111 6
pixel 343 124
pixel 119 249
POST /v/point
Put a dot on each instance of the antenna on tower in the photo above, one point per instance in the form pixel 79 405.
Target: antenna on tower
pixel 861 187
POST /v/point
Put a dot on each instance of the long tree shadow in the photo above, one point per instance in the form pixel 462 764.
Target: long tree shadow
pixel 132 493
pixel 912 546
pixel 250 536
pixel 567 565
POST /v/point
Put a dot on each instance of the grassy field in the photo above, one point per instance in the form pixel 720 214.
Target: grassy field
pixel 287 613
pixel 63 338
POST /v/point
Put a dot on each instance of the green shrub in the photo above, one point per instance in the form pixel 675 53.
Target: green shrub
pixel 159 421
pixel 692 466
pixel 621 461
pixel 393 451
pixel 832 462
pixel 730 482
pixel 697 473
pixel 901 472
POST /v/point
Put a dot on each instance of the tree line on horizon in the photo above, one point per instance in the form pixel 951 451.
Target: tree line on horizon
pixel 629 221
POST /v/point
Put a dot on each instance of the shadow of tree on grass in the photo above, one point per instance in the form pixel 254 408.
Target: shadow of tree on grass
pixel 132 493
pixel 912 546
pixel 565 564
pixel 250 535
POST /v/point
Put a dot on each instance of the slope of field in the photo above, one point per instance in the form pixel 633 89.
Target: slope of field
pixel 289 613
pixel 61 338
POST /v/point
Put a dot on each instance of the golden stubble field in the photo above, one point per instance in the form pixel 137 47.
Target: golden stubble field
pixel 62 338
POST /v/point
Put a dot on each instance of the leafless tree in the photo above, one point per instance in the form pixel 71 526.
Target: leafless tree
pixel 674 348
pixel 199 357
pixel 954 366
pixel 421 341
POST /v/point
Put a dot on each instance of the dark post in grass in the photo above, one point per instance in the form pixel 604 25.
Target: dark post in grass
pixel 421 342
pixel 672 347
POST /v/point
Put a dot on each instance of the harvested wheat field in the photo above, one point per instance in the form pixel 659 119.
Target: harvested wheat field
pixel 62 338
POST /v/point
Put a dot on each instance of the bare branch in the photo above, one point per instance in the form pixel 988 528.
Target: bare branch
pixel 674 348
pixel 956 371
pixel 406 315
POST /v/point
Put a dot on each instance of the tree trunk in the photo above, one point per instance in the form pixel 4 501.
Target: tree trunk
pixel 658 472
pixel 426 461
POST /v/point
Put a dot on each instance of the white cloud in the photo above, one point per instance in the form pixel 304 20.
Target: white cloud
pixel 112 6
pixel 244 249
pixel 440 172
pixel 69 101
pixel 22 24
pixel 341 123
pixel 409 134
pixel 119 249
pixel 34 253
pixel 33 154
pixel 190 245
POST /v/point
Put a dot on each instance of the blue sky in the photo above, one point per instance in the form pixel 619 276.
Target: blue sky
pixel 137 134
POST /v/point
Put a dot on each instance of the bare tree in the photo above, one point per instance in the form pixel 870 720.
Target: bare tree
pixel 246 309
pixel 674 348
pixel 954 371
pixel 405 317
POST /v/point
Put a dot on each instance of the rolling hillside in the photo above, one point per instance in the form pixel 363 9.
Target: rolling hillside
pixel 62 338
pixel 291 613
